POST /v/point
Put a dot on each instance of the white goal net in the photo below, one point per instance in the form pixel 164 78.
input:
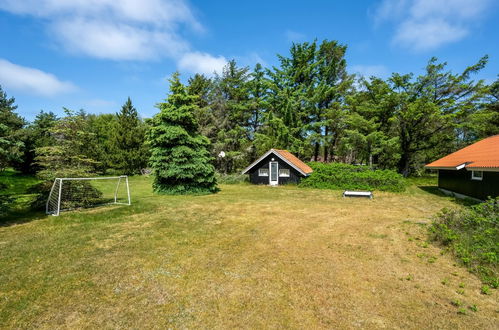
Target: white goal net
pixel 73 193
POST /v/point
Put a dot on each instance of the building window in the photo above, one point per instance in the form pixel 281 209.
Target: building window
pixel 263 172
pixel 476 175
pixel 284 172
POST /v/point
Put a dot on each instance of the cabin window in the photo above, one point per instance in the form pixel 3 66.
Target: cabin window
pixel 476 175
pixel 263 172
pixel 284 172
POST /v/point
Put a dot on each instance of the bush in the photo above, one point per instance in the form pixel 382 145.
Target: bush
pixel 345 176
pixel 232 178
pixel 471 234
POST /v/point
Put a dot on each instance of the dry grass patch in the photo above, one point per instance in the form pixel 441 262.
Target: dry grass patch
pixel 248 257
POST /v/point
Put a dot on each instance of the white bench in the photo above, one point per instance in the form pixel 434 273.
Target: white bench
pixel 349 193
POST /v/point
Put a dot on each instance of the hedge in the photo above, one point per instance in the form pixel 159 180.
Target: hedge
pixel 352 177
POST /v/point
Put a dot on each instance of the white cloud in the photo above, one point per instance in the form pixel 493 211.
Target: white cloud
pixel 428 24
pixel 157 12
pixel 429 34
pixel 121 30
pixel 459 9
pixel 197 62
pixel 370 70
pixel 32 80
pixel 390 10
pixel 107 40
pixel 113 29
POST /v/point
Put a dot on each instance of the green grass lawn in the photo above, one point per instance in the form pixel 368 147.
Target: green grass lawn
pixel 247 257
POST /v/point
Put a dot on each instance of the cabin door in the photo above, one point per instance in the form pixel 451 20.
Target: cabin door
pixel 274 174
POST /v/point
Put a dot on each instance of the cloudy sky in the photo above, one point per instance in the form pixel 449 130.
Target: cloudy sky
pixel 93 54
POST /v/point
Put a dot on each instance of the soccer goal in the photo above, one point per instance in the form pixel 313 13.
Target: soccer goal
pixel 73 193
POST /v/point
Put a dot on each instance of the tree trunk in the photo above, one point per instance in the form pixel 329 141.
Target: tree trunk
pixel 333 147
pixel 405 158
pixel 404 164
pixel 326 131
pixel 316 151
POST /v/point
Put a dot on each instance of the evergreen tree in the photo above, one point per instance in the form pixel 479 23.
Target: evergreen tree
pixel 68 155
pixel 257 103
pixel 258 106
pixel 288 98
pixel 201 87
pixel 129 152
pixel 430 109
pixel 101 142
pixel 485 121
pixel 316 77
pixel 333 84
pixel 230 109
pixel 179 154
pixel 368 135
pixel 10 127
pixel 35 135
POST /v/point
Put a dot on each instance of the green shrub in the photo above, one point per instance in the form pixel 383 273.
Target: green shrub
pixel 345 176
pixel 232 178
pixel 471 233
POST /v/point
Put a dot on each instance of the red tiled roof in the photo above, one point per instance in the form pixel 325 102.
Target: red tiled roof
pixel 294 160
pixel 482 154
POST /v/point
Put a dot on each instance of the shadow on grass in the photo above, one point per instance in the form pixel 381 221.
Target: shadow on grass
pixel 436 191
pixel 17 217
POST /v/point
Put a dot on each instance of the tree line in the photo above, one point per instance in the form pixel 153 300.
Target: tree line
pixel 308 104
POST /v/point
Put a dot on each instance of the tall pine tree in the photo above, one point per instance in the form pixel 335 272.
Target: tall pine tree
pixel 230 107
pixel 179 154
pixel 128 141
pixel 201 86
pixel 10 127
pixel 35 135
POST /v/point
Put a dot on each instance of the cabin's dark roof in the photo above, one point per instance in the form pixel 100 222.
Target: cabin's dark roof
pixel 287 157
pixel 483 154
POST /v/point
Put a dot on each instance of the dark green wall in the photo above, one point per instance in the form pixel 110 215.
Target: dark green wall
pixel 460 181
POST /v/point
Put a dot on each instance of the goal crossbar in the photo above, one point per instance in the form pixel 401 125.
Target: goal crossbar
pixel 96 178
pixel 57 196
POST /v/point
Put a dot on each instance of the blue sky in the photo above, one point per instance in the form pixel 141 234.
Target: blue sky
pixel 93 54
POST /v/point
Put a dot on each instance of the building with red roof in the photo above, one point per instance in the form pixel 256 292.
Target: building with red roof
pixel 472 171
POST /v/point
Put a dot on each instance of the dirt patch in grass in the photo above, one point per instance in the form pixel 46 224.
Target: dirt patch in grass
pixel 247 257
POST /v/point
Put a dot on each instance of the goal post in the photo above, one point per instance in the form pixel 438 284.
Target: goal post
pixel 73 193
